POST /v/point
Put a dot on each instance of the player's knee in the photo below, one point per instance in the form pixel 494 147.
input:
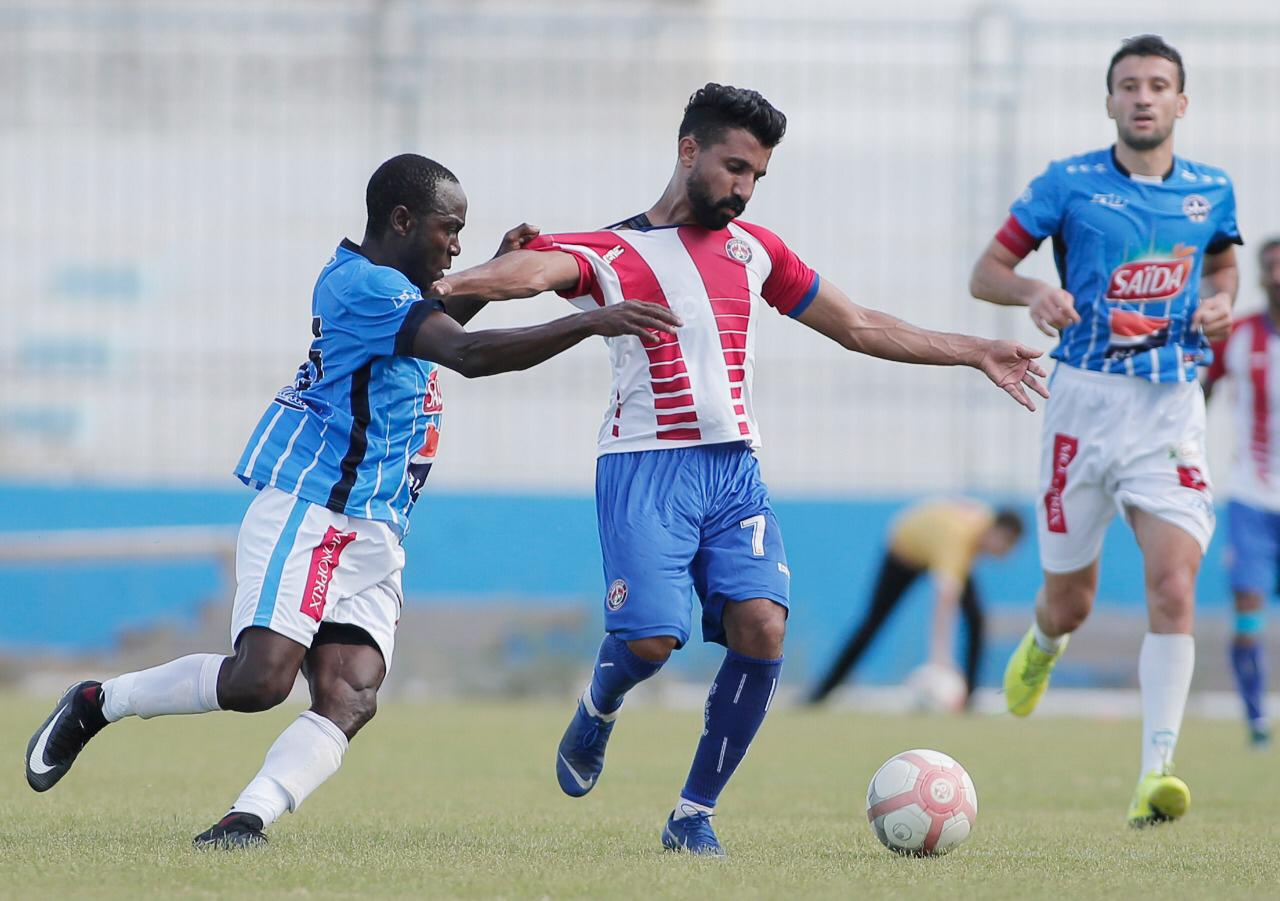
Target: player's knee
pixel 1172 596
pixel 771 631
pixel 756 628
pixel 655 649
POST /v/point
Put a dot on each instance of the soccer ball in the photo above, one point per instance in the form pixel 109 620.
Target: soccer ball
pixel 921 803
pixel 936 688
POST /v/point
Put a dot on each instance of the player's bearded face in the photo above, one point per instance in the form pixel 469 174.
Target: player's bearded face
pixel 711 211
pixel 1145 100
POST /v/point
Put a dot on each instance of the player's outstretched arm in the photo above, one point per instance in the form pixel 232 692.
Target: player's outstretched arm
pixel 520 273
pixel 1052 308
pixel 491 351
pixel 464 309
pixel 1010 365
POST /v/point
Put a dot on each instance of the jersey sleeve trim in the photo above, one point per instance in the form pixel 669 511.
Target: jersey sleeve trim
pixel 1016 239
pixel 1223 243
pixel 419 310
pixel 807 298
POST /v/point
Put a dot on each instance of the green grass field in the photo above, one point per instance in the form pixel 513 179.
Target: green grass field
pixel 454 801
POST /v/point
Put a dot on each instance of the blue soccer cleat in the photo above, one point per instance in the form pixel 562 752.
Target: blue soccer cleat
pixel 692 833
pixel 580 757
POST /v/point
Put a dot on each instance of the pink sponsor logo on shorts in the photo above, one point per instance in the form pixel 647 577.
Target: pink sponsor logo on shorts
pixel 324 562
pixel 1064 451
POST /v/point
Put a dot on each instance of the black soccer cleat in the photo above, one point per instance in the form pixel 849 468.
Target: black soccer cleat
pixel 76 718
pixel 235 830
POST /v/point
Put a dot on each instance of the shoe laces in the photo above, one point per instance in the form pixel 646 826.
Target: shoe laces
pixel 698 826
pixel 1037 663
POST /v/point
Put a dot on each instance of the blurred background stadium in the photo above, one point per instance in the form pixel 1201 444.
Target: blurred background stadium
pixel 175 174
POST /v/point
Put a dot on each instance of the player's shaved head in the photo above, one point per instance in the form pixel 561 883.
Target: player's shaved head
pixel 715 108
pixel 1148 45
pixel 407 180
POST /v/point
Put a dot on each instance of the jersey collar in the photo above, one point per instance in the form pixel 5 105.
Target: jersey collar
pixel 1141 179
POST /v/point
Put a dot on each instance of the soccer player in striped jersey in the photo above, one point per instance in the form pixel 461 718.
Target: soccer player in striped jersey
pixel 1250 359
pixel 681 505
pixel 1144 244
pixel 338 460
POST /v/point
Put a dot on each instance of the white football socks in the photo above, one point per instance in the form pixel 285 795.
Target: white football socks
pixel 186 685
pixel 1165 665
pixel 305 755
pixel 1044 642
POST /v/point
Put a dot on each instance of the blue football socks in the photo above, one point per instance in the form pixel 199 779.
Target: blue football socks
pixel 1246 662
pixel 617 671
pixel 736 705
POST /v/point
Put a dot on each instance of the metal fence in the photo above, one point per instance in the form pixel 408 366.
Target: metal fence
pixel 175 174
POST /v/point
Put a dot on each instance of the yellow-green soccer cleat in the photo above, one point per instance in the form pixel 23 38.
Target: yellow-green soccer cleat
pixel 1159 797
pixel 1027 674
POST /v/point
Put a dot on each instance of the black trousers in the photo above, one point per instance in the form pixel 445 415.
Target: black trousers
pixel 892 583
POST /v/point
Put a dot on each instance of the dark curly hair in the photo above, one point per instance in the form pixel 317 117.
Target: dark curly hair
pixel 715 108
pixel 1148 45
pixel 407 180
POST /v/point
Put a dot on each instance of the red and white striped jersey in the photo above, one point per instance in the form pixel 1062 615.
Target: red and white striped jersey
pixel 1251 360
pixel 695 388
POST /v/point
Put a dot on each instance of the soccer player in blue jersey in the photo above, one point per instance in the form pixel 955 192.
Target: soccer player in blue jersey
pixel 1144 244
pixel 682 508
pixel 338 460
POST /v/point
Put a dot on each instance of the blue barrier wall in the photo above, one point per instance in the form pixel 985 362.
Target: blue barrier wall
pixel 477 548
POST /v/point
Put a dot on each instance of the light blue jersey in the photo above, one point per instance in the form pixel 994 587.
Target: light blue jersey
pixel 357 430
pixel 1130 250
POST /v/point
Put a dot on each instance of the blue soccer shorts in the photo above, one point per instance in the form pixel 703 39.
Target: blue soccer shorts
pixel 1253 546
pixel 683 521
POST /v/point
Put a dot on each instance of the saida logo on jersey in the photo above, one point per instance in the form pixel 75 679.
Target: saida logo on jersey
pixel 1144 282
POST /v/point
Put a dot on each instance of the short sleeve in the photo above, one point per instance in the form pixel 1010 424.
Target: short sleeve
pixel 575 245
pixel 1035 215
pixel 791 285
pixel 1227 231
pixel 381 312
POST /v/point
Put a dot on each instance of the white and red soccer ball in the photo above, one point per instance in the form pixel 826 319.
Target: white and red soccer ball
pixel 921 803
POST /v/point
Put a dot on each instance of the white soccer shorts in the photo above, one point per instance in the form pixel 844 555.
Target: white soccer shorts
pixel 1115 442
pixel 299 564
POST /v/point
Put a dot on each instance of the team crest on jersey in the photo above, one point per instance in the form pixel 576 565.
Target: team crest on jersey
pixel 433 401
pixel 1196 207
pixel 738 249
pixel 617 595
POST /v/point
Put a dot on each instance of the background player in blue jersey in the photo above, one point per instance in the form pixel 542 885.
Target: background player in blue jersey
pixel 683 510
pixel 338 457
pixel 1143 241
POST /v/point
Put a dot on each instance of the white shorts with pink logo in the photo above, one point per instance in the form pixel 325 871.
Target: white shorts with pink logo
pixel 1116 442
pixel 299 564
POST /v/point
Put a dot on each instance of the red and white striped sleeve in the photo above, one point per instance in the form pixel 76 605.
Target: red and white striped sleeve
pixel 791 285
pixel 588 249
